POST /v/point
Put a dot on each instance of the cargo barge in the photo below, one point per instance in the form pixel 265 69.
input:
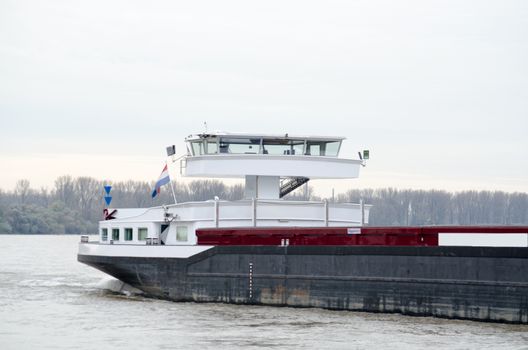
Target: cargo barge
pixel 267 250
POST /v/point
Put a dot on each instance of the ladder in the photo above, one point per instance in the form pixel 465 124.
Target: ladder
pixel 290 184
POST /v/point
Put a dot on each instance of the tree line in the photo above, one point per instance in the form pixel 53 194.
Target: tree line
pixel 393 207
pixel 74 205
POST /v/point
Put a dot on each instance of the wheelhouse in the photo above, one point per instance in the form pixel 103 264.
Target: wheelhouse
pixel 218 143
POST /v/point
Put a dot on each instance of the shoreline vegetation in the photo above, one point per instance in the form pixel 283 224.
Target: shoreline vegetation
pixel 75 205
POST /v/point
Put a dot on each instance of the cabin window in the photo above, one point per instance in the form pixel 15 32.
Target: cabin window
pixel 181 233
pixel 197 147
pixel 142 233
pixel 331 149
pixel 128 234
pixel 211 146
pixel 323 148
pixel 282 147
pixel 239 146
pixel 313 148
pixel 104 234
pixel 115 234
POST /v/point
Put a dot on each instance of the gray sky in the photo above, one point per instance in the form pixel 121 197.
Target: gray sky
pixel 437 90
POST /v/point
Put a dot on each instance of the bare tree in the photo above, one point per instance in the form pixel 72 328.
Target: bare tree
pixel 87 190
pixel 65 190
pixel 22 190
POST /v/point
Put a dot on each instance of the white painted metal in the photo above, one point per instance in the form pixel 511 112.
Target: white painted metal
pixel 263 187
pixel 251 187
pixel 268 187
pixel 362 208
pixel 266 136
pixel 217 213
pixel 243 213
pixel 240 165
pixel 483 239
pixel 326 212
pixel 155 251
pixel 261 208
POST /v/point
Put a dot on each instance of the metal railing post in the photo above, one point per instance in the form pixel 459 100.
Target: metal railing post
pixel 216 212
pixel 362 208
pixel 254 212
pixel 326 211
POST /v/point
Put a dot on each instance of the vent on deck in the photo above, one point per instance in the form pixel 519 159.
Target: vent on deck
pixel 291 184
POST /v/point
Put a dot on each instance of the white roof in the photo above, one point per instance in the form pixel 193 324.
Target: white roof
pixel 266 136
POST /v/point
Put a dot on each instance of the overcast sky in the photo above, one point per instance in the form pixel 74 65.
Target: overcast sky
pixel 437 90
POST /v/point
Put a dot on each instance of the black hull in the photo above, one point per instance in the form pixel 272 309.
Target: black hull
pixel 476 283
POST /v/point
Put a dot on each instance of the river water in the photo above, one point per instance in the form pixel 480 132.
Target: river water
pixel 50 301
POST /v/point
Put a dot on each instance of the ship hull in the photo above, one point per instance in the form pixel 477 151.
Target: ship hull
pixel 476 283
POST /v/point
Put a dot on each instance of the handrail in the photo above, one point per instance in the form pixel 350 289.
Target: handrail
pixel 254 213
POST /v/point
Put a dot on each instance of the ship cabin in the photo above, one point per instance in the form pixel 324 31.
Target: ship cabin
pixel 271 165
pixel 229 143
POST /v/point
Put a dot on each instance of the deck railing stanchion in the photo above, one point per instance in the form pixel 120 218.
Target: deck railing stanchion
pixel 362 208
pixel 216 211
pixel 326 209
pixel 254 212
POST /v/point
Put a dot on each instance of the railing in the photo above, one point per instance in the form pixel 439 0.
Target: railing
pixel 252 212
pixel 242 213
pixel 261 212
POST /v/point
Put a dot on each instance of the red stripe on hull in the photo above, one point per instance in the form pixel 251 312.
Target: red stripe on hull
pixel 387 236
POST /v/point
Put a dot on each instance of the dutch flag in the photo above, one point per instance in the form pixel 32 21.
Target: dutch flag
pixel 163 180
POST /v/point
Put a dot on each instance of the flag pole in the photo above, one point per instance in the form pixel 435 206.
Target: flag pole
pixel 173 193
pixel 172 187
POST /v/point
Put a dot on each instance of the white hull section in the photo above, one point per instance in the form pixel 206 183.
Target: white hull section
pixel 141 251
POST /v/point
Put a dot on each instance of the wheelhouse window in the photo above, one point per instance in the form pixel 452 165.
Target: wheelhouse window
pixel 331 149
pixel 211 146
pixel 313 149
pixel 104 234
pixel 204 146
pixel 115 234
pixel 197 147
pixel 181 233
pixel 233 144
pixel 282 147
pixel 322 148
pixel 142 233
pixel 239 146
pixel 128 234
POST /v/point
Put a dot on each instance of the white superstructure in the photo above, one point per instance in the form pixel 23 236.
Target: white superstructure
pixel 272 165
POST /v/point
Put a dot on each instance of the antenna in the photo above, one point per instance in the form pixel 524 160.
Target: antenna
pixel 205 127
